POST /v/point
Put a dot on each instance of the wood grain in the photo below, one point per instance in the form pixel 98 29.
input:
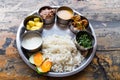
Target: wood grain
pixel 104 15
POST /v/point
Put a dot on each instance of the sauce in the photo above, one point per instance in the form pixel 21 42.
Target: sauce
pixel 65 14
pixel 31 41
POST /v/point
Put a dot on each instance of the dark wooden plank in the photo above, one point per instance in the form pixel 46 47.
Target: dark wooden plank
pixel 108 34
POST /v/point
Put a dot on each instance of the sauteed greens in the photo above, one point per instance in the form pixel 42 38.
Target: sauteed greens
pixel 85 41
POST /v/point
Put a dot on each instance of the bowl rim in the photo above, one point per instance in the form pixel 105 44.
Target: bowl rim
pixel 82 17
pixel 31 17
pixel 44 7
pixel 88 33
pixel 72 28
pixel 49 20
pixel 28 33
pixel 67 8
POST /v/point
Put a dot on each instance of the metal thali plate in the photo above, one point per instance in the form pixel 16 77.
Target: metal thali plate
pixel 55 29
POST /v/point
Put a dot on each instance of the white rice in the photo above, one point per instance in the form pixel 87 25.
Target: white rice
pixel 62 52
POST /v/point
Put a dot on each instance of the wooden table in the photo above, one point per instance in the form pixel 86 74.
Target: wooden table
pixel 104 15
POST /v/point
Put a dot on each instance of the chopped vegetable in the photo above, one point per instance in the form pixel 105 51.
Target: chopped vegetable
pixel 85 41
pixel 79 23
pixel 28 27
pixel 36 19
pixel 47 13
pixel 38 24
pixel 45 67
pixel 36 59
pixel 31 23
pixel 39 71
pixel 42 65
pixel 31 59
pixel 34 24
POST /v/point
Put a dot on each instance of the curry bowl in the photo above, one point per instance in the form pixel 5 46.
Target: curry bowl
pixel 84 40
pixel 48 14
pixel 31 41
pixel 33 23
pixel 64 15
pixel 79 23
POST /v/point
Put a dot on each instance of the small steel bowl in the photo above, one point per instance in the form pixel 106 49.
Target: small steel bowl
pixel 80 47
pixel 61 20
pixel 31 17
pixel 75 30
pixel 30 35
pixel 50 20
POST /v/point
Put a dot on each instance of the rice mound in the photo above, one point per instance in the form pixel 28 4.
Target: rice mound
pixel 62 52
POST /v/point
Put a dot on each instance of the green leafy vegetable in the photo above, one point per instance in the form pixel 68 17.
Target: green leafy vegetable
pixel 85 41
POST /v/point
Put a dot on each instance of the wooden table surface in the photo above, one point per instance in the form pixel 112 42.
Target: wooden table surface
pixel 104 15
